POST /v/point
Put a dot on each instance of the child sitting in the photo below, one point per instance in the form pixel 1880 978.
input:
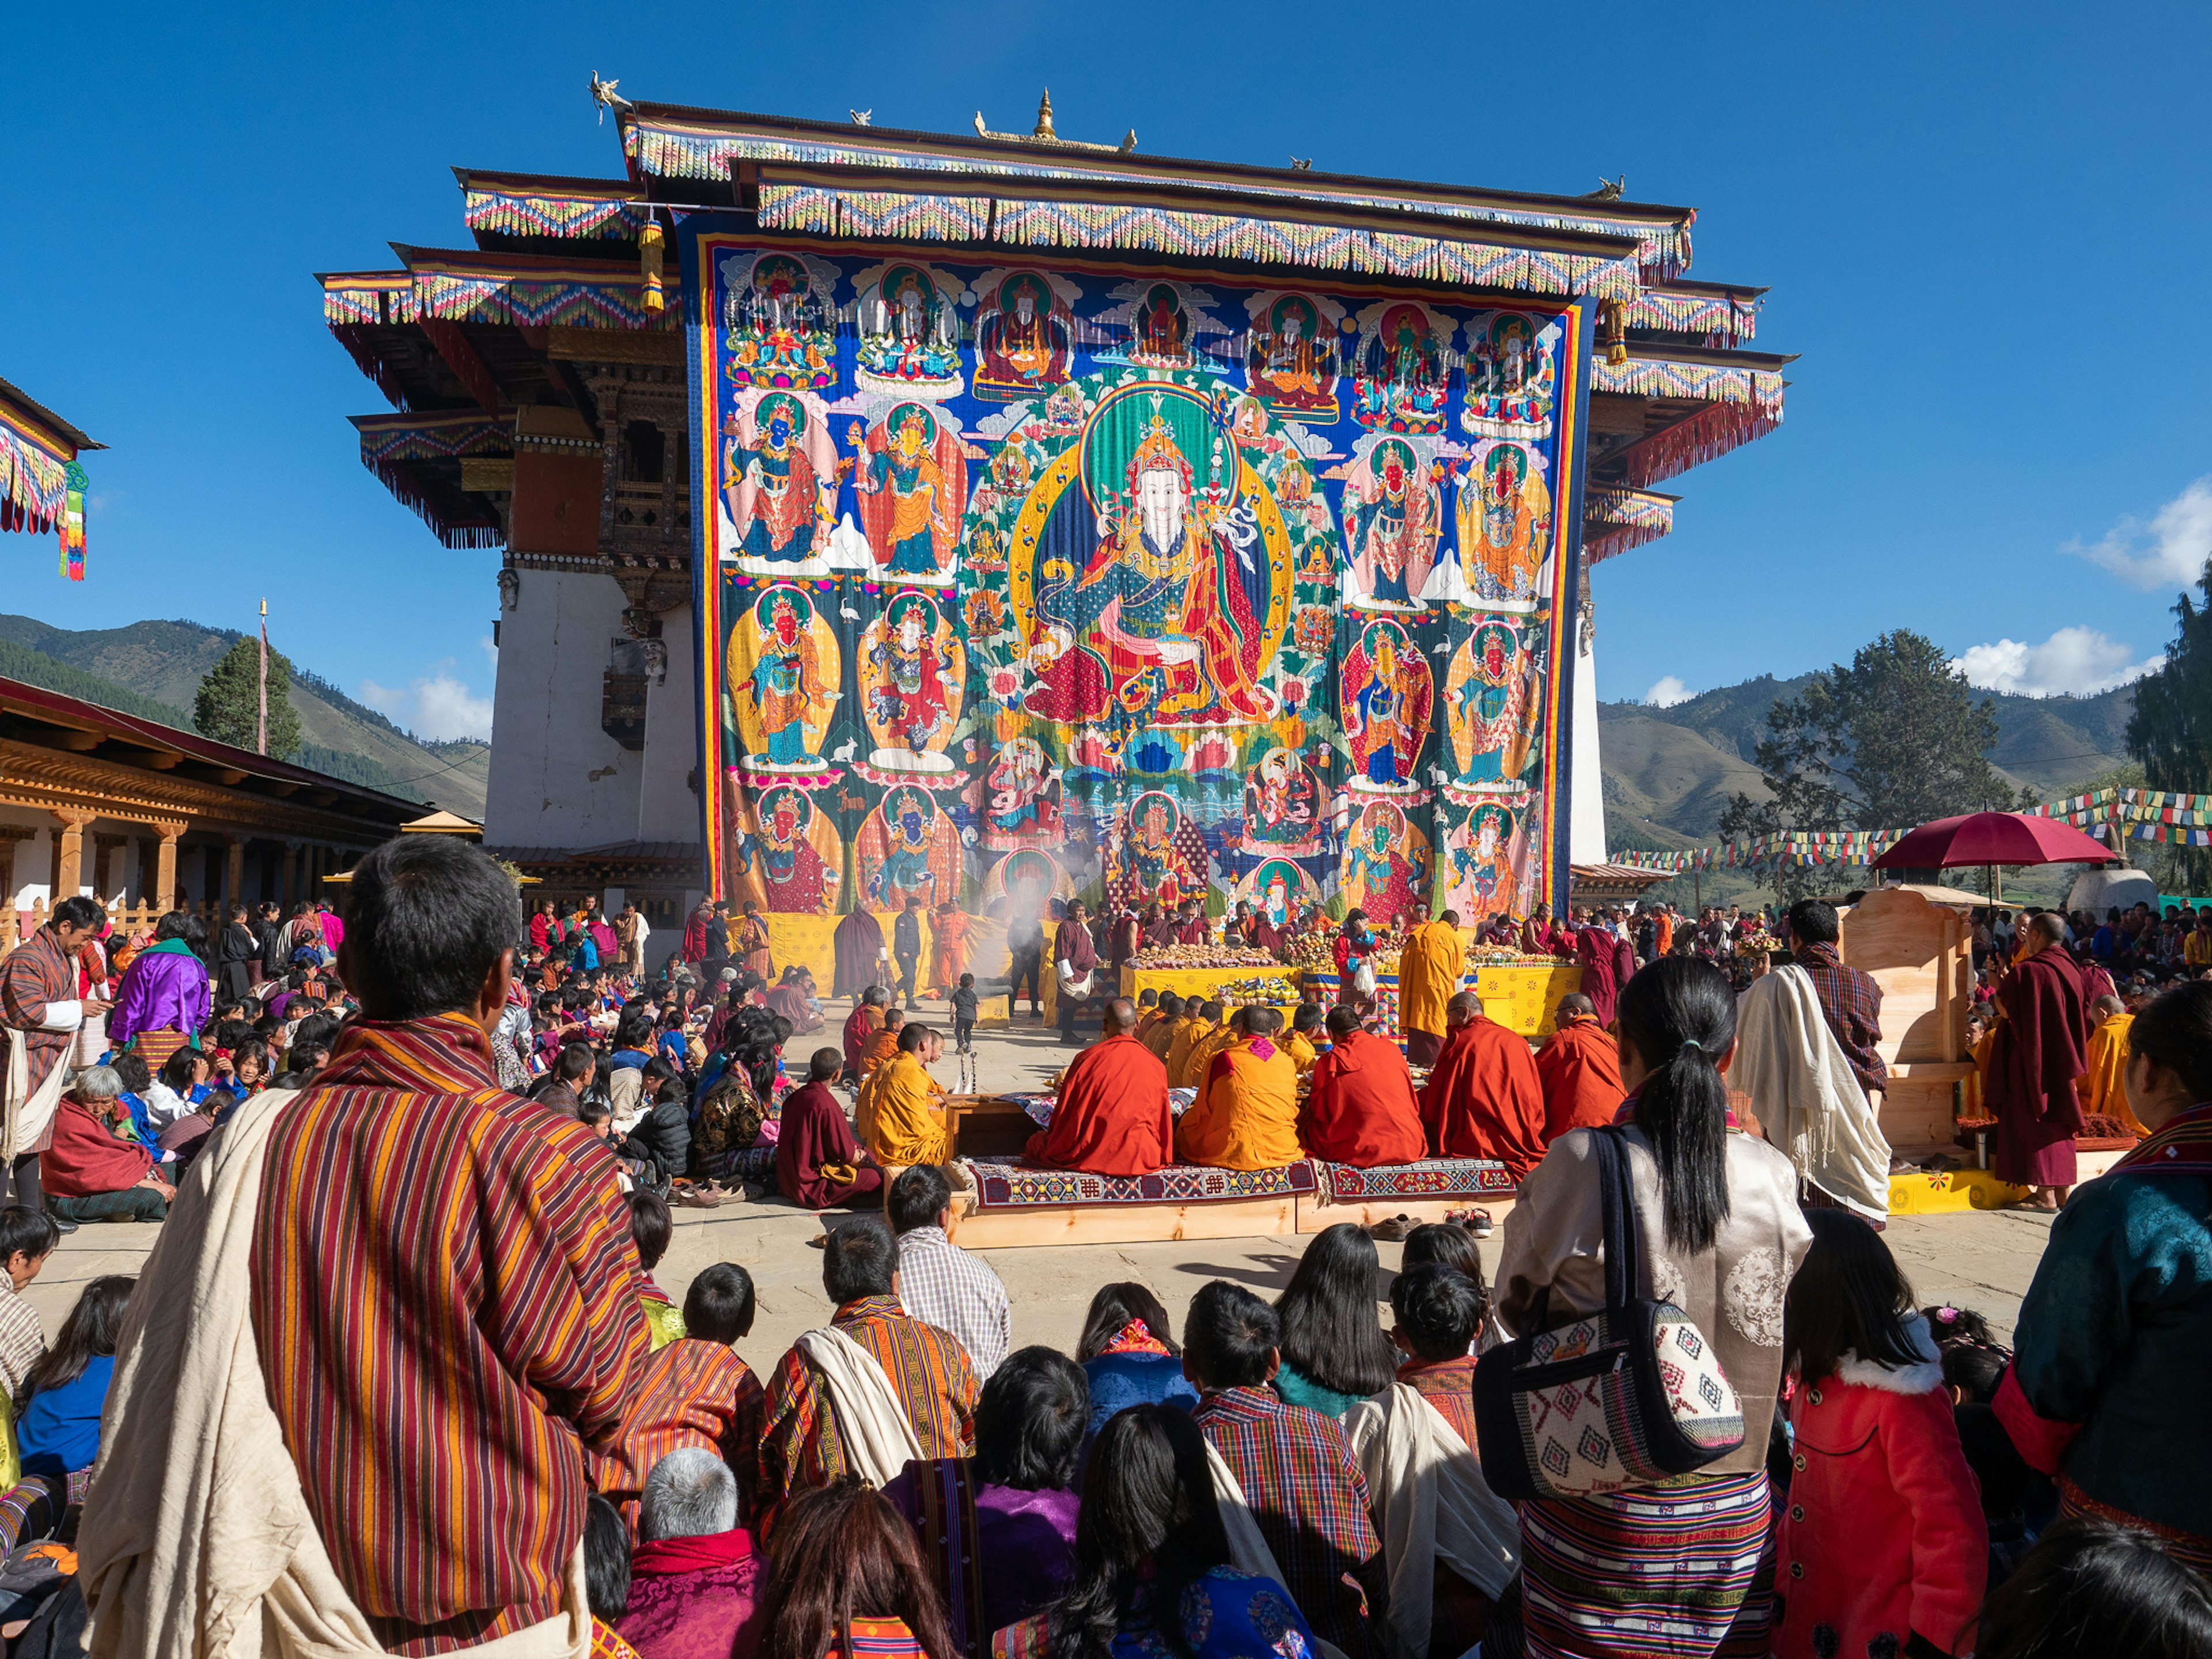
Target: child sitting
pixel 1883 1546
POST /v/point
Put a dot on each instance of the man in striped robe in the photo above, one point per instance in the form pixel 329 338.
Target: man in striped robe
pixel 39 1014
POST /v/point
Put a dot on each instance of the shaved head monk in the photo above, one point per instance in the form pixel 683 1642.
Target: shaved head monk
pixel 1162 1032
pixel 1362 1109
pixel 1112 1117
pixel 1484 1098
pixel 1580 1066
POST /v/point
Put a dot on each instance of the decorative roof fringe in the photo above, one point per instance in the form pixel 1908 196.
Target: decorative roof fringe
pixel 388 445
pixel 33 483
pixel 1722 318
pixel 669 152
pixel 518 213
pixel 1706 435
pixel 1712 383
pixel 819 210
pixel 1614 520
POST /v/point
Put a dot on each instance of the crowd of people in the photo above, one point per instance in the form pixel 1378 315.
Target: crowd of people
pixel 396 1375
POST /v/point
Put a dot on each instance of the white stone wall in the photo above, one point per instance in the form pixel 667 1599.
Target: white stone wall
pixel 1586 781
pixel 668 808
pixel 558 781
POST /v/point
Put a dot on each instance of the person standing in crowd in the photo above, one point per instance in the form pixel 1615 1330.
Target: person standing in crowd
pixel 631 930
pixel 939 1282
pixel 237 951
pixel 41 1009
pixel 1024 955
pixel 2040 1048
pixel 1075 969
pixel 165 996
pixel 1431 966
pixel 906 947
pixel 948 948
pixel 2119 1315
pixel 509 1295
pixel 268 933
pixel 1882 1548
pixel 1716 1214
pixel 1850 1001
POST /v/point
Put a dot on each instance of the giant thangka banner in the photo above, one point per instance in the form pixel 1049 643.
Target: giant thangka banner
pixel 1056 577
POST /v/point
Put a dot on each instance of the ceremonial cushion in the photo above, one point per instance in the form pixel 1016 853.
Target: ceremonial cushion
pixel 1016 1186
pixel 1432 1177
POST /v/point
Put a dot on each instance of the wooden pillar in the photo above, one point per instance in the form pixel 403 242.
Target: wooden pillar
pixel 234 874
pixel 165 871
pixel 10 834
pixel 290 895
pixel 69 851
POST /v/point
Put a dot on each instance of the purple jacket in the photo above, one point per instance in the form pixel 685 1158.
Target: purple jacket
pixel 162 990
pixel 694 1598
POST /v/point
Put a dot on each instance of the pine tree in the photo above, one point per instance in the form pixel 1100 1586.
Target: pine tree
pixel 2170 729
pixel 227 706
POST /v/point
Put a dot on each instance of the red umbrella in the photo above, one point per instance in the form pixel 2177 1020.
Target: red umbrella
pixel 1993 838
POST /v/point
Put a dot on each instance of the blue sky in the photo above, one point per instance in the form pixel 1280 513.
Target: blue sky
pixel 1984 227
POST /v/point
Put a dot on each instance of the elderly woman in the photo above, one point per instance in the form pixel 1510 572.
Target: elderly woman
pixel 90 1175
pixel 1720 1235
pixel 165 997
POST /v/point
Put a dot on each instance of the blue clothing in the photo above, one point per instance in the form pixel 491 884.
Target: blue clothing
pixel 672 1045
pixel 626 1060
pixel 59 1429
pixel 2116 1334
pixel 1297 1388
pixel 142 1126
pixel 1226 1614
pixel 1119 1381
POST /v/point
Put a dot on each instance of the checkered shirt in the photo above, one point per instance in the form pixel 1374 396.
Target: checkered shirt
pixel 21 1341
pixel 1851 1003
pixel 1303 1483
pixel 941 1285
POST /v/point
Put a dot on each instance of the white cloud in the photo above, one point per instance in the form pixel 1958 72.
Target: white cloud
pixel 2169 551
pixel 439 709
pixel 2079 660
pixel 1668 692
pixel 489 646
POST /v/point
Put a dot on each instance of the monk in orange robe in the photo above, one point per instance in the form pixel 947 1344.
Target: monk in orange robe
pixel 1111 1117
pixel 883 1044
pixel 1148 1013
pixel 949 958
pixel 1246 1116
pixel 1159 1036
pixel 1361 1110
pixel 1484 1098
pixel 1580 1066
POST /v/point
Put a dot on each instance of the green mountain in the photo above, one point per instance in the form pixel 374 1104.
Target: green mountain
pixel 1669 772
pixel 153 670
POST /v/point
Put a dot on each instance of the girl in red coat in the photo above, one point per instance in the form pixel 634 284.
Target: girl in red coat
pixel 1883 1552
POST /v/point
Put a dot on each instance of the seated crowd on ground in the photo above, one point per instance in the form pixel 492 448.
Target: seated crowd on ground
pixel 415 1171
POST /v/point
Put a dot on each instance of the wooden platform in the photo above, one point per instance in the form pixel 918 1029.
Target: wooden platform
pixel 1127 1223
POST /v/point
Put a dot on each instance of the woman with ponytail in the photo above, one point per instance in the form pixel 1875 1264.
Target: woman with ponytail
pixel 1719 1235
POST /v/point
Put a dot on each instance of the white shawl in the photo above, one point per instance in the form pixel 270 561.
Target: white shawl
pixel 1807 1098
pixel 872 1421
pixel 197 1541
pixel 1431 1504
pixel 27 1110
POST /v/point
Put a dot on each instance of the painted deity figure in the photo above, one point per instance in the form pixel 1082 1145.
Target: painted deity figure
pixel 1510 387
pixel 780 332
pixel 795 875
pixel 1391 526
pixel 1491 699
pixel 908 817
pixel 1155 866
pixel 1275 898
pixel 1503 536
pixel 1168 568
pixel 1290 361
pixel 1479 862
pixel 1376 864
pixel 788 685
pixel 1162 329
pixel 1023 342
pixel 1281 801
pixel 1401 381
pixel 1384 730
pixel 1023 791
pixel 906 343
pixel 785 500
pixel 921 497
pixel 908 694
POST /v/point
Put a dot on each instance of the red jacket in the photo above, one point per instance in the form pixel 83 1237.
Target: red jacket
pixel 1884 1534
pixel 86 1159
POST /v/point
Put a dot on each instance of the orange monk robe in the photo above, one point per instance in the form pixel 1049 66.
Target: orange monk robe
pixel 1246 1116
pixel 1225 1037
pixel 1111 1117
pixel 1484 1099
pixel 1580 1066
pixel 1974 1108
pixel 1430 966
pixel 1662 932
pixel 909 1116
pixel 881 1047
pixel 949 959
pixel 1194 1032
pixel 1146 1018
pixel 1303 1054
pixel 1160 1038
pixel 2104 1088
pixel 1362 1109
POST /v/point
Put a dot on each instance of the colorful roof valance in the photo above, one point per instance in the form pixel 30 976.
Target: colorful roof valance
pixel 1706 435
pixel 534 293
pixel 390 442
pixel 1711 383
pixel 1730 317
pixel 38 449
pixel 668 142
pixel 368 298
pixel 1156 227
pixel 568 208
pixel 1614 520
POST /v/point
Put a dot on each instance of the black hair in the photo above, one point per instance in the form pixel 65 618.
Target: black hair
pixel 636 1030
pixel 719 1307
pixel 1341 1021
pixel 1330 1329
pixel 1114 1309
pixel 1030 1420
pixel 177 1069
pixel 1848 1297
pixel 79 912
pixel 1813 921
pixel 912 1036
pixel 1446 1243
pixel 88 1333
pixel 825 1064
pixel 1309 1016
pixel 1679 1013
pixel 2002 1473
pixel 180 924
pixel 575 1062
pixel 1170 1006
pixel 2088 1589
pixel 32 1231
pixel 1259 1019
pixel 1974 1370
pixel 131 1072
pixel 2175 1030
pixel 1949 1325
pixel 606 1560
pixel 593 1110
pixel 859 1259
pixel 918 1197
pixel 1440 1311
pixel 1228 1336
pixel 651 1226
pixel 1148 1526
pixel 427 919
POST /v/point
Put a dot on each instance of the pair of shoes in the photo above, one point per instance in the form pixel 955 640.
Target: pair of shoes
pixel 62 1222
pixel 1475 1221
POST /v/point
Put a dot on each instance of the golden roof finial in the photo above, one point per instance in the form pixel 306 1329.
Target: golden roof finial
pixel 1044 116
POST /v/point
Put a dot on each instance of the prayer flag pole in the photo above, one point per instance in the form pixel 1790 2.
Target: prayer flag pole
pixel 261 720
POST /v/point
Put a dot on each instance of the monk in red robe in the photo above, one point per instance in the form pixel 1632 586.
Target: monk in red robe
pixel 2041 1047
pixel 867 1016
pixel 1484 1098
pixel 1580 1066
pixel 1112 1115
pixel 1361 1108
pixel 817 1161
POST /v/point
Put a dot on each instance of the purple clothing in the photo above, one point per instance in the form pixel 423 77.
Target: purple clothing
pixel 694 1598
pixel 162 991
pixel 1024 1539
